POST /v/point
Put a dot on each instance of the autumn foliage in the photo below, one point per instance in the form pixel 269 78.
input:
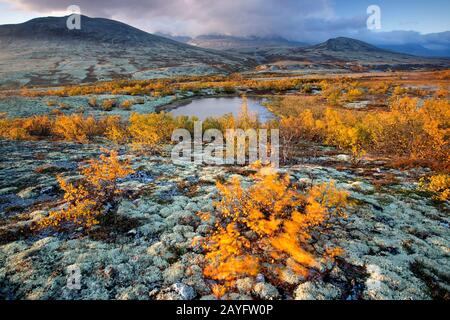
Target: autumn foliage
pixel 267 228
pixel 88 200
pixel 75 127
pixel 407 130
pixel 437 185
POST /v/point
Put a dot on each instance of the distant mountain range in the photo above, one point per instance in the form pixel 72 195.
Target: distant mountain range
pixel 221 42
pixel 418 50
pixel 43 51
pixel 226 42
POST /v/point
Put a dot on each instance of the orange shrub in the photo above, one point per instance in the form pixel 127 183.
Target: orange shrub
pixel 127 104
pixel 39 126
pixel 152 129
pixel 354 94
pixel 267 228
pixel 109 104
pixel 75 127
pixel 438 185
pixel 407 130
pixel 87 200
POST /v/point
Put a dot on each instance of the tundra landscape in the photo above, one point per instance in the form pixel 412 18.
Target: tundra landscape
pixel 93 206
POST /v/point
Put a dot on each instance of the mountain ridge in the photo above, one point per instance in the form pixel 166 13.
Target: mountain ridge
pixel 43 51
pixel 92 29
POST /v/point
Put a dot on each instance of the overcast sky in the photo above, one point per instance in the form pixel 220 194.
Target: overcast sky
pixel 303 20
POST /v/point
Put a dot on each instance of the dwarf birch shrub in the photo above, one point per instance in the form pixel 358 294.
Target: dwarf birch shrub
pixel 267 228
pixel 151 130
pixel 438 185
pixel 86 201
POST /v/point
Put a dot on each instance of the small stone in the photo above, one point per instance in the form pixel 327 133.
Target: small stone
pixel 245 285
pixel 174 273
pixel 185 291
pixel 266 291
pixel 260 278
pixel 317 291
pixel 28 193
pixel 38 215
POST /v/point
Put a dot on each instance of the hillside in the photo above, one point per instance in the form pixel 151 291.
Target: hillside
pixel 43 51
pixel 341 52
pixel 223 42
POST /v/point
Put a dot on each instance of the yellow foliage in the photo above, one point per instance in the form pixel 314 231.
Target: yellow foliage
pixel 246 119
pixel 354 94
pixel 439 185
pixel 407 130
pixel 398 91
pixel 127 104
pixel 109 104
pixel 268 226
pixel 380 88
pixel 86 200
pixel 75 127
pixel 25 128
pixel 118 133
pixel 218 290
pixel 442 93
pixel 151 129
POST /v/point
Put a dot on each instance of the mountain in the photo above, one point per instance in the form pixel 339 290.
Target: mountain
pixel 44 51
pixel 418 50
pixel 94 30
pixel 411 42
pixel 346 52
pixel 182 39
pixel 224 42
pixel 343 44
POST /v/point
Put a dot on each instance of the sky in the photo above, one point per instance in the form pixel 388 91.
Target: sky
pixel 302 20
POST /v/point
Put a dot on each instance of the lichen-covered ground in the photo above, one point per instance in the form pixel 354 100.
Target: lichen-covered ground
pixel 396 241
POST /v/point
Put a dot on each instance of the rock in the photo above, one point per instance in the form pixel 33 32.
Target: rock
pixel 171 295
pixel 236 296
pixel 186 292
pixel 132 232
pixel 260 278
pixel 37 215
pixel 8 190
pixel 343 157
pixel 209 297
pixel 28 193
pixel 245 285
pixel 290 277
pixel 266 291
pixel 317 290
pixel 174 273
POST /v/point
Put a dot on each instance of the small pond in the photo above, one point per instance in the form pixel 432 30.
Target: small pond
pixel 216 107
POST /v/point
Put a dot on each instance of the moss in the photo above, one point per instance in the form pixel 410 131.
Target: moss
pixel 436 281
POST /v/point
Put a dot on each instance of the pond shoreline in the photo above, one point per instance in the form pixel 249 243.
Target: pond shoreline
pixel 185 101
pixel 217 105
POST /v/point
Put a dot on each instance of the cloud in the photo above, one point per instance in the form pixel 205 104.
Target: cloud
pixel 295 19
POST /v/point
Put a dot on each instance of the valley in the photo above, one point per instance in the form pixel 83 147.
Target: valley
pixel 357 210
